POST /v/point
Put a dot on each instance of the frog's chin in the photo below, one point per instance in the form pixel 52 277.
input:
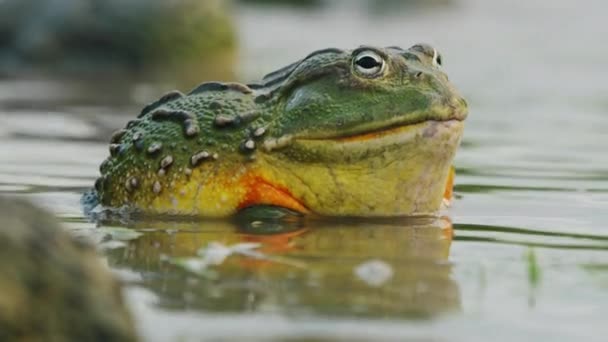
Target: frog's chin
pixel 393 172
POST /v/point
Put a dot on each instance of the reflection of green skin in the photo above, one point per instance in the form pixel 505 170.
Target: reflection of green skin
pixel 363 132
pixel 185 40
pixel 52 287
pixel 315 271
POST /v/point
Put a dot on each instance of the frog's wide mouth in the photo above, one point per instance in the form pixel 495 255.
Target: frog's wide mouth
pixel 428 127
pixel 397 124
pixel 433 138
pixel 366 136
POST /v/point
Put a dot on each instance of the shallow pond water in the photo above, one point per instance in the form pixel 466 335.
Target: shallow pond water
pixel 522 254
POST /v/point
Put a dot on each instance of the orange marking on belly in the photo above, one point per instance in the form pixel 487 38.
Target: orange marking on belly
pixel 261 191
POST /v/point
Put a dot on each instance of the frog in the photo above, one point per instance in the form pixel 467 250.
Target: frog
pixel 364 132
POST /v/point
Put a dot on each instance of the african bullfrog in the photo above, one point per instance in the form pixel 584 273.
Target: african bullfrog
pixel 364 132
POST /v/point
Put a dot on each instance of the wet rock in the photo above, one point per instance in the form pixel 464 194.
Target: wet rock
pixel 53 287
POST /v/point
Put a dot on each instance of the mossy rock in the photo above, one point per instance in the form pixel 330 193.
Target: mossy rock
pixel 53 287
pixel 142 39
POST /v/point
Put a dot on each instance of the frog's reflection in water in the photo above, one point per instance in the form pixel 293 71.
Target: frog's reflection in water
pixel 339 268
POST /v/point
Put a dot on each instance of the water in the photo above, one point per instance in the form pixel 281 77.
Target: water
pixel 526 257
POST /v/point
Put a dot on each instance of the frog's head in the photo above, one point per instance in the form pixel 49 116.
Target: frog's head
pixel 335 94
pixel 368 110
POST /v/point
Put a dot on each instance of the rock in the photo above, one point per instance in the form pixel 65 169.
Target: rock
pixel 53 287
pixel 142 39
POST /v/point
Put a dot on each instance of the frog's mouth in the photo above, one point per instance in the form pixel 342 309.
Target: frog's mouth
pixel 395 125
pixel 431 137
pixel 399 130
pixel 426 128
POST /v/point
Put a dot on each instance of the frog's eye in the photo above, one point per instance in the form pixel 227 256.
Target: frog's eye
pixel 436 58
pixel 369 64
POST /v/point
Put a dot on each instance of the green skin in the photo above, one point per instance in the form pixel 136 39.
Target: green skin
pixel 325 130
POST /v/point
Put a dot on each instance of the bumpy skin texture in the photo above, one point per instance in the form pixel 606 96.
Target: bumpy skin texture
pixel 54 288
pixel 336 133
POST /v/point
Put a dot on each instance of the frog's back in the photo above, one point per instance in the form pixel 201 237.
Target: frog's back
pixel 183 142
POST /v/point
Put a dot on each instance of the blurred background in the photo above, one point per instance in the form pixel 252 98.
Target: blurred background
pixel 532 172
